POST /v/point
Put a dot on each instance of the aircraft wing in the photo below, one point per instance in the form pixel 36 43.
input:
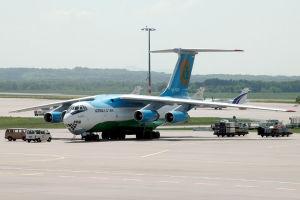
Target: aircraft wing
pixel 171 101
pixel 59 103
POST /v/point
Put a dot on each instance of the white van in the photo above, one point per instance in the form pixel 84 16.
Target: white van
pixel 38 135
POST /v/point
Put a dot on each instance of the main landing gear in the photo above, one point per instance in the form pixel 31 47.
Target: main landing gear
pixel 113 135
pixel 147 135
pixel 91 137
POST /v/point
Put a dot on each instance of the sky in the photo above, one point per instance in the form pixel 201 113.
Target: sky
pixel 106 34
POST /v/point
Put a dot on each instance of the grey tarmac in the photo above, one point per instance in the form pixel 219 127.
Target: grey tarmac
pixel 179 165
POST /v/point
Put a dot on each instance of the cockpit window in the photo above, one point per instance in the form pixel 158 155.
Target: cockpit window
pixel 76 109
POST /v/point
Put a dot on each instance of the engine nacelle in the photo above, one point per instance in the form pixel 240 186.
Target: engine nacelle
pixel 176 116
pixel 146 115
pixel 53 117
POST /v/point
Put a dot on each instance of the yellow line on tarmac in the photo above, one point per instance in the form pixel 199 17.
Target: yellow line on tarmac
pixel 153 154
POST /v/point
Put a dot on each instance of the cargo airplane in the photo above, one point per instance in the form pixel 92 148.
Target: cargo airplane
pixel 129 114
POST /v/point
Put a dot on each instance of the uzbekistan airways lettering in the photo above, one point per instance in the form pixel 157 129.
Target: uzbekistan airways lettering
pixel 185 71
pixel 104 110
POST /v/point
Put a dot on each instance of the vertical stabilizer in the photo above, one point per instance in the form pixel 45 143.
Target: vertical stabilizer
pixel 242 98
pixel 180 79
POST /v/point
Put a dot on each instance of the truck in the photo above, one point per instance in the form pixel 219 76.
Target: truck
pixel 38 135
pixel 273 128
pixel 230 128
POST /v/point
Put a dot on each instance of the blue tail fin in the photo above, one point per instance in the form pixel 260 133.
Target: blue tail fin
pixel 179 82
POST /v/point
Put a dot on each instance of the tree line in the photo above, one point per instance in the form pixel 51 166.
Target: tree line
pixel 98 86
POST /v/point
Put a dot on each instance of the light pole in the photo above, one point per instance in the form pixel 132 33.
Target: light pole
pixel 149 61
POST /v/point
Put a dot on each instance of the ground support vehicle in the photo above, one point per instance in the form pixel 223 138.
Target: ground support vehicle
pixel 12 134
pixel 38 135
pixel 273 128
pixel 230 129
pixel 294 122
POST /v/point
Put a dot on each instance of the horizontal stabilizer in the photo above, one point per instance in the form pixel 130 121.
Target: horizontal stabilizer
pixel 194 51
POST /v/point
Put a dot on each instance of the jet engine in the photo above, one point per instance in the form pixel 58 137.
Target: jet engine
pixel 146 115
pixel 53 117
pixel 176 116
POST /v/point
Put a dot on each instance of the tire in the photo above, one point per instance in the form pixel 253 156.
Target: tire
pixel 122 136
pixel 113 136
pixel 28 141
pixel 139 135
pixel 105 135
pixel 24 138
pixel 14 140
pixel 157 134
pixel 49 139
pixel 38 140
pixel 87 138
pixel 9 139
pixel 96 137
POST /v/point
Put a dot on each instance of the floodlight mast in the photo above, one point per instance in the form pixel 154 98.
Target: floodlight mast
pixel 149 61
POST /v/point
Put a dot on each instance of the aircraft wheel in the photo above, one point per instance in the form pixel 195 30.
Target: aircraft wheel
pixel 156 134
pixel 87 138
pixel 139 135
pixel 105 135
pixel 96 137
pixel 149 135
pixel 122 136
pixel 113 136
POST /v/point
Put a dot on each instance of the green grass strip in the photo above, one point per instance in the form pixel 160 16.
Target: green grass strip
pixel 27 122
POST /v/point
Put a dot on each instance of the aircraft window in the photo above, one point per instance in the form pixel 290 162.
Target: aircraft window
pixel 77 108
